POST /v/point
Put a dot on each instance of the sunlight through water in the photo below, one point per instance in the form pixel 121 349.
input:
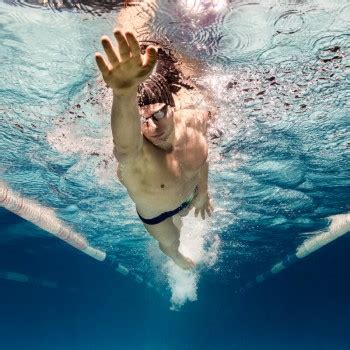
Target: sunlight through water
pixel 278 72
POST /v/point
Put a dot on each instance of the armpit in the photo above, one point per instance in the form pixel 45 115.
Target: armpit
pixel 126 156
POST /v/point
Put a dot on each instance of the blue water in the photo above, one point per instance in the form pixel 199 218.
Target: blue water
pixel 304 307
pixel 280 73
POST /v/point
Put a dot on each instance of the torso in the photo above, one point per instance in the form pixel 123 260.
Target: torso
pixel 160 181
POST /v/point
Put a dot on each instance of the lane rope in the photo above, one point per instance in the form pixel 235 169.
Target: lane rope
pixel 24 278
pixel 339 226
pixel 46 219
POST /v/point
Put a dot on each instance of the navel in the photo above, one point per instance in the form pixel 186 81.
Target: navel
pixel 162 185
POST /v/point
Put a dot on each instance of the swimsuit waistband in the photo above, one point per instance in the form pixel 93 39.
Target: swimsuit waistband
pixel 158 219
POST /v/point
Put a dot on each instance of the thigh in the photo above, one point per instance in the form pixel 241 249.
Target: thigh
pixel 166 232
pixel 177 220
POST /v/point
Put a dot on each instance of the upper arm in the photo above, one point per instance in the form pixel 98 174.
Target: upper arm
pixel 127 155
pixel 126 127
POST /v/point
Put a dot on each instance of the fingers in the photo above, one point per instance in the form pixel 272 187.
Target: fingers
pixel 210 208
pixel 151 57
pixel 134 47
pixel 202 211
pixel 108 47
pixel 128 48
pixel 124 49
pixel 101 63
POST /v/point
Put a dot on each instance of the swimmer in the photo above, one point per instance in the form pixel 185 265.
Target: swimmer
pixel 161 149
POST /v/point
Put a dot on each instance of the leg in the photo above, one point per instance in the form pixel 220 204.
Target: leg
pixel 178 221
pixel 167 233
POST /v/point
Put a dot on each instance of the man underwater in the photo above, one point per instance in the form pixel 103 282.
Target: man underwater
pixel 161 150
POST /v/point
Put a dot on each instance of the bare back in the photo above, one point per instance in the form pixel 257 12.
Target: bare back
pixel 160 181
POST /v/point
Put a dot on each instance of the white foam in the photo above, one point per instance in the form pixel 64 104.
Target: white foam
pixel 194 243
pixel 71 138
pixel 183 285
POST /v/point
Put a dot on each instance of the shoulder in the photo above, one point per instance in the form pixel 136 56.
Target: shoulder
pixel 193 150
pixel 196 119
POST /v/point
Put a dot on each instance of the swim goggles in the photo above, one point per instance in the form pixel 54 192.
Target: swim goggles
pixel 156 116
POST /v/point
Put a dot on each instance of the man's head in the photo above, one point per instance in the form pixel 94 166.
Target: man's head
pixel 157 122
pixel 156 103
pixel 155 90
pixel 155 96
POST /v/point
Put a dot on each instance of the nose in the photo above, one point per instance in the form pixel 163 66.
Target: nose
pixel 150 124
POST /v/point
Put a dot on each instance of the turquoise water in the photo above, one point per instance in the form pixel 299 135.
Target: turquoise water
pixel 279 152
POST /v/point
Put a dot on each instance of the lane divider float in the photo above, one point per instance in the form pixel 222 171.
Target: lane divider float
pixel 339 226
pixel 24 278
pixel 46 219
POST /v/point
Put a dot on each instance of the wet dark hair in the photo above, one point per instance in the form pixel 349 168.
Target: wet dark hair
pixel 155 90
pixel 165 81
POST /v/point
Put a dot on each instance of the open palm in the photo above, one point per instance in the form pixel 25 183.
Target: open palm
pixel 127 68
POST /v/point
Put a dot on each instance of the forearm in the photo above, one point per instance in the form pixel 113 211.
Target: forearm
pixel 203 178
pixel 125 121
pixel 124 73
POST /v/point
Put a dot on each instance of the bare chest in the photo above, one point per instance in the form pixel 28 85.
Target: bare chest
pixel 158 181
pixel 156 173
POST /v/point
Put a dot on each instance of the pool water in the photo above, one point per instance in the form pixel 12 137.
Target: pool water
pixel 279 72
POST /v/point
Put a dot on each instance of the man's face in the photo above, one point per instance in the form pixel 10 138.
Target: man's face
pixel 157 122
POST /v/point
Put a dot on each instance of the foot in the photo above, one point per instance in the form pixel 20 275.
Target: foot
pixel 184 262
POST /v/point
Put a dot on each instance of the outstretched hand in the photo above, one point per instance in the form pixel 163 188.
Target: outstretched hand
pixel 203 204
pixel 125 68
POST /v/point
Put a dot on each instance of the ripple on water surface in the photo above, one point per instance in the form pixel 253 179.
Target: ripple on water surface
pixel 283 173
pixel 279 150
pixel 93 7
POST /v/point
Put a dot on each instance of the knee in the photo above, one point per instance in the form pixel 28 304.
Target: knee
pixel 170 244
